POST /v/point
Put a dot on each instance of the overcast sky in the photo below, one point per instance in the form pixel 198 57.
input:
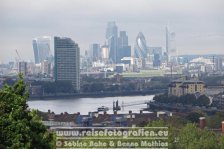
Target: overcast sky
pixel 198 24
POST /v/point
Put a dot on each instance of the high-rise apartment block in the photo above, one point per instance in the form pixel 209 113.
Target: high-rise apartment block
pixel 67 61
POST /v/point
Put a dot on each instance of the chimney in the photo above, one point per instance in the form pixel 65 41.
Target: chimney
pixel 222 126
pixel 105 113
pixel 130 112
pixel 78 113
pixel 48 111
pixel 51 116
pixel 202 122
pixel 141 111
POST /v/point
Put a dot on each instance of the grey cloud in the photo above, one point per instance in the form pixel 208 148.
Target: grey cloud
pixel 85 21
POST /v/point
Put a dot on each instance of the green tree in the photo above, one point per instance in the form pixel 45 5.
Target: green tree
pixel 172 132
pixel 214 121
pixel 188 99
pixel 191 137
pixel 20 127
pixel 194 116
pixel 202 100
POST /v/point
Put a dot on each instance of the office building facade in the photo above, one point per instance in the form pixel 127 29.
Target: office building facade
pixel 94 51
pixel 111 37
pixel 140 46
pixel 171 50
pixel 124 50
pixel 67 61
pixel 122 39
pixel 41 49
pixel 23 68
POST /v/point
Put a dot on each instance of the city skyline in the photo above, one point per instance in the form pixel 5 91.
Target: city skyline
pixel 198 24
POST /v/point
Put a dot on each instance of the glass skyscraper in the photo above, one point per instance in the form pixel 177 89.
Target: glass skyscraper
pixel 140 46
pixel 111 36
pixel 171 49
pixel 94 51
pixel 41 49
pixel 123 49
pixel 123 39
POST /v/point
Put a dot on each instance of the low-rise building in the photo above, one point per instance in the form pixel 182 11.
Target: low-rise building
pixel 183 87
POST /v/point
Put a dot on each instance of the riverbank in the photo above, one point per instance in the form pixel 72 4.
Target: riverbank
pixel 97 94
pixel 86 105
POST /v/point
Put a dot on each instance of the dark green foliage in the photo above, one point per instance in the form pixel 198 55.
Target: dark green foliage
pixel 203 100
pixel 123 84
pixel 194 116
pixel 214 121
pixel 189 136
pixel 213 80
pixel 188 99
pixel 55 87
pixel 159 82
pixel 20 127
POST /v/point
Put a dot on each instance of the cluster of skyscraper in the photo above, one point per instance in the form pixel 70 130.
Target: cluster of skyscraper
pixel 150 57
pixel 115 48
pixel 114 51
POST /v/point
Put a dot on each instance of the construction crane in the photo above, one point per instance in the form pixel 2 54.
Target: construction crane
pixel 18 59
pixel 17 53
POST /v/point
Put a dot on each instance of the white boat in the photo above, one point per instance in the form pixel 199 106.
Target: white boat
pixel 103 108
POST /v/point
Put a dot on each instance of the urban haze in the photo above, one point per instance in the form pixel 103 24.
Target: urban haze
pixel 198 24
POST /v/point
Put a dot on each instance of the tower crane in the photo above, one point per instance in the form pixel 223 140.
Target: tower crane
pixel 17 53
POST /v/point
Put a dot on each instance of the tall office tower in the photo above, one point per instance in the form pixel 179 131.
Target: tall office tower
pixel 218 63
pixel 171 49
pixel 67 61
pixel 140 46
pixel 141 49
pixel 122 39
pixel 111 36
pixel 104 51
pixel 41 48
pixel 167 45
pixel 94 51
pixel 123 49
pixel 157 60
pixel 23 68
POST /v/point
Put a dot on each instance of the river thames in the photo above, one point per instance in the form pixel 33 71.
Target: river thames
pixel 85 105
